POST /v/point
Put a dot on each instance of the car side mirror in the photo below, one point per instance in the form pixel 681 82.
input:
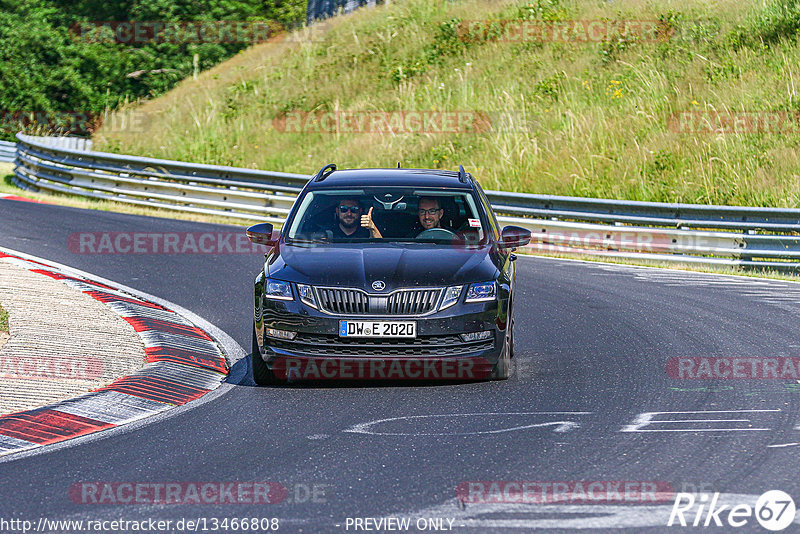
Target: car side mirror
pixel 514 237
pixel 262 234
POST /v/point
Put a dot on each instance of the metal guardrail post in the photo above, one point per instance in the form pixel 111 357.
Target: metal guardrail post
pixel 8 152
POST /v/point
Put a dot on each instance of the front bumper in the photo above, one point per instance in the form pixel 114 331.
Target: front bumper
pixel 317 352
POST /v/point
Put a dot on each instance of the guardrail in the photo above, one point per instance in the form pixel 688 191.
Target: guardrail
pixel 693 233
pixel 208 189
pixel 320 9
pixel 8 151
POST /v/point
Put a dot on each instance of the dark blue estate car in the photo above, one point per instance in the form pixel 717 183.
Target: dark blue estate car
pixel 386 274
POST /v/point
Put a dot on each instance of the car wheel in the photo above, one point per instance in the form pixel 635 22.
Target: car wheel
pixel 262 375
pixel 502 369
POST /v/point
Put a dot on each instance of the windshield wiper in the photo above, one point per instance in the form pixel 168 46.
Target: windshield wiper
pixel 301 241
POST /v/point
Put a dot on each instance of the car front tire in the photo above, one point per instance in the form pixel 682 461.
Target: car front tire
pixel 262 374
pixel 502 369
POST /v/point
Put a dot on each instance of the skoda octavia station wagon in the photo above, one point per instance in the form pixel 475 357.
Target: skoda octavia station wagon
pixel 386 274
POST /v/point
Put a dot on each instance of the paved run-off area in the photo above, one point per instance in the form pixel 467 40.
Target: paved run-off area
pixel 63 342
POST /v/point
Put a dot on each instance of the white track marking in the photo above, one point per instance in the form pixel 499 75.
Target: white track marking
pixel 10 444
pixel 645 419
pixel 178 341
pixel 112 407
pixel 128 309
pixel 561 426
pixel 186 374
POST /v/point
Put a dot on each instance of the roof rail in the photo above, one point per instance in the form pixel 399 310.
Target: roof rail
pixel 462 174
pixel 321 175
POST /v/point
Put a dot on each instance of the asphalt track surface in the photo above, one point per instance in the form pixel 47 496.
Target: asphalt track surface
pixel 590 338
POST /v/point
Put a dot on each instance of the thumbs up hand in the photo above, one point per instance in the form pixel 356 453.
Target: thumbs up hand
pixel 367 222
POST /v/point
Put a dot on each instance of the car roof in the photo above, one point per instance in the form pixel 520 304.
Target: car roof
pixel 391 177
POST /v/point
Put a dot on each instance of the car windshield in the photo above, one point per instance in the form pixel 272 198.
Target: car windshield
pixel 388 215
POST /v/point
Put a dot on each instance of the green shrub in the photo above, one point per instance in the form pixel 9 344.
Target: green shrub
pixel 548 10
pixel 46 66
pixel 776 21
pixel 780 19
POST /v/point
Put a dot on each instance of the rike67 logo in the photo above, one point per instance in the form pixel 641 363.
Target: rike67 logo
pixel 774 510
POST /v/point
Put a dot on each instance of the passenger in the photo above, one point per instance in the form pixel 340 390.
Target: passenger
pixel 348 212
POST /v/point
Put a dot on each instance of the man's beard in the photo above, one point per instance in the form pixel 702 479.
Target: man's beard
pixel 349 225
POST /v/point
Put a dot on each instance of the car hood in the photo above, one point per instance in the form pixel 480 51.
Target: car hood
pixel 397 265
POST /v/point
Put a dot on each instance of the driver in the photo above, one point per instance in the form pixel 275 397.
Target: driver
pixel 430 213
pixel 430 216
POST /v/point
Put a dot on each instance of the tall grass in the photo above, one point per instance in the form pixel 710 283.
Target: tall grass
pixel 586 119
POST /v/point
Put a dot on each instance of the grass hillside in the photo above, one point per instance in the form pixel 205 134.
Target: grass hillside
pixel 582 118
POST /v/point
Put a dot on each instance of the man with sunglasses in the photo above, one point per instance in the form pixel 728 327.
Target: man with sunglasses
pixel 351 224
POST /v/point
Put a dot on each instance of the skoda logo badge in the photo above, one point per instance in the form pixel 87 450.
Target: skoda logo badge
pixel 378 285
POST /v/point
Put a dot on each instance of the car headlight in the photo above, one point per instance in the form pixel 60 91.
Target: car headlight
pixel 481 292
pixel 278 290
pixel 307 295
pixel 451 295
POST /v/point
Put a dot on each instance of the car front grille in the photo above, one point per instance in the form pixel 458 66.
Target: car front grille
pixel 343 301
pixel 332 345
pixel 357 302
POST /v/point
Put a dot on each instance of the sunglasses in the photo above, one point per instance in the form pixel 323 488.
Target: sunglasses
pixel 345 209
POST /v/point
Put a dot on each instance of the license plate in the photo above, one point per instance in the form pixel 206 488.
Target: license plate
pixel 406 329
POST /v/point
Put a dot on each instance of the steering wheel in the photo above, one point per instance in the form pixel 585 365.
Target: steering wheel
pixel 436 233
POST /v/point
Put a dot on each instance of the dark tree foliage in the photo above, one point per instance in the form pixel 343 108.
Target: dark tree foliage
pixel 47 65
